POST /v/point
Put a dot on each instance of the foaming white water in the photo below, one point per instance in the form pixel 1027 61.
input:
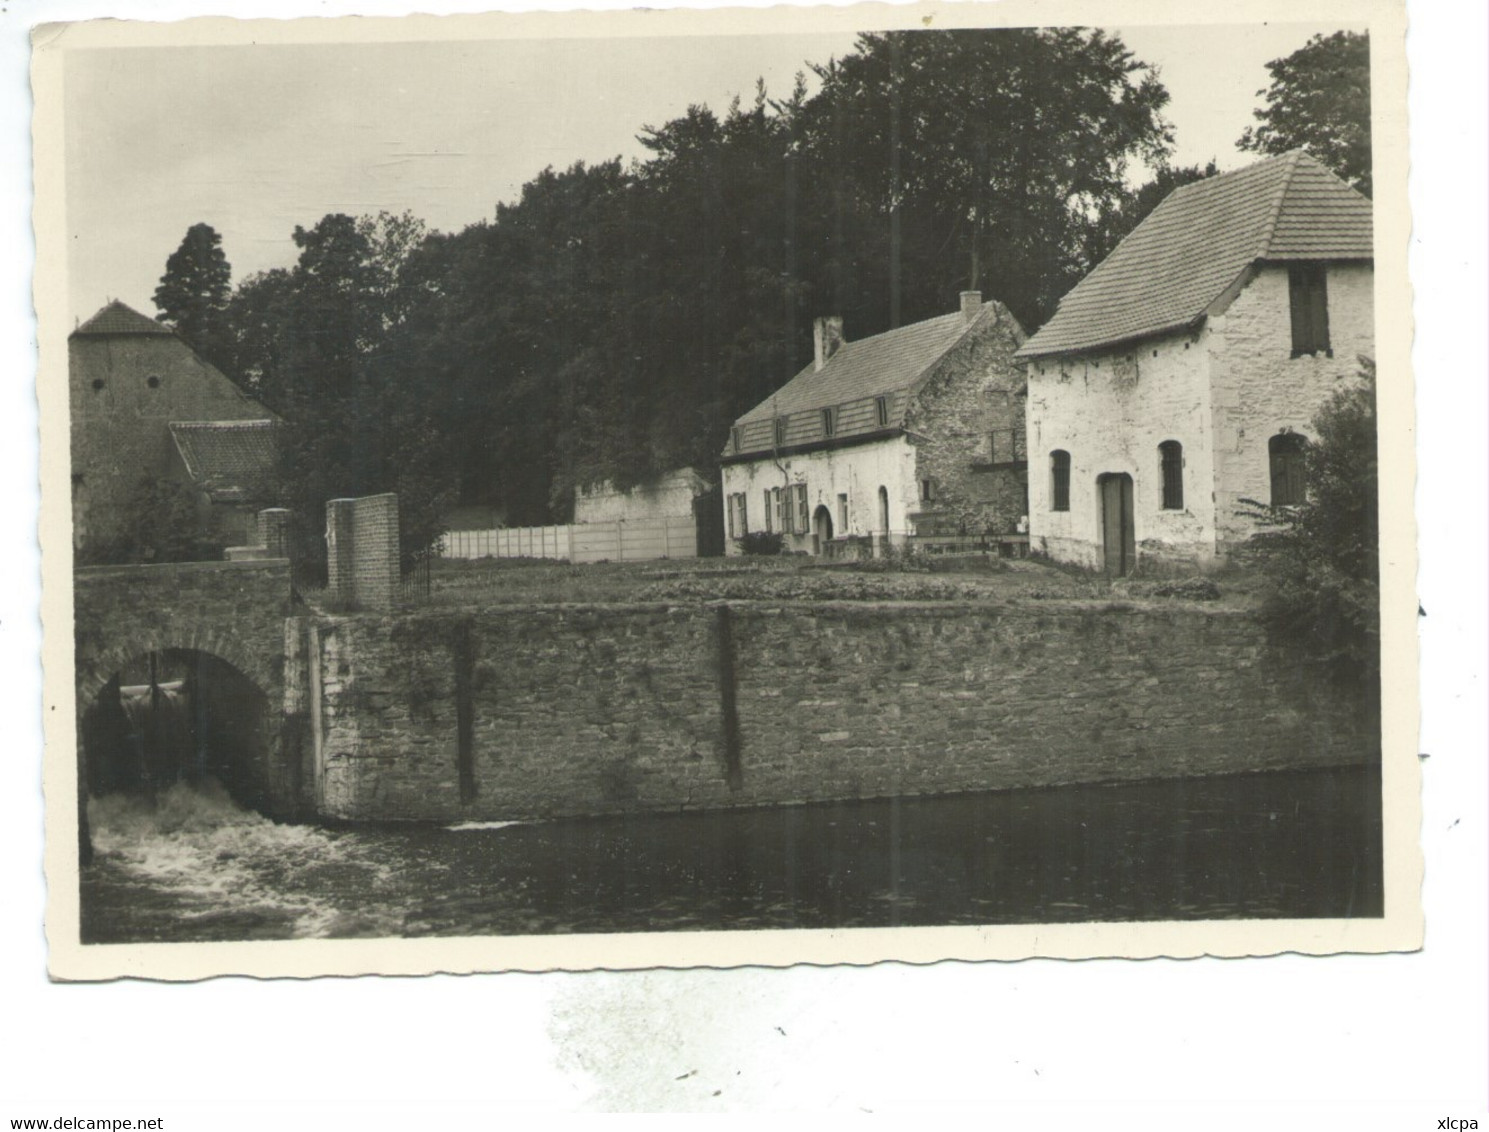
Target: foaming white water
pixel 215 858
pixel 465 826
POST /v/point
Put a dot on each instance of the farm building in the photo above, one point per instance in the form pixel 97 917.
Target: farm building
pixel 918 431
pixel 1180 377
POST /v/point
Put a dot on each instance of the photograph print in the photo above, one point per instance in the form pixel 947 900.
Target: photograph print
pixel 677 489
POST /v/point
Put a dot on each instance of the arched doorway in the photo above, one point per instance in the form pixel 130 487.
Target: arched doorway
pixel 172 716
pixel 821 529
pixel 883 519
pixel 1118 535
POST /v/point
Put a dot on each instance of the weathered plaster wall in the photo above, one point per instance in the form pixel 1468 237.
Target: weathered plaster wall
pixel 857 471
pixel 1111 411
pixel 514 713
pixel 1260 390
pixel 671 496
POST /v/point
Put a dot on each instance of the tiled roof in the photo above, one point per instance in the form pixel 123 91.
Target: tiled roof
pixel 886 365
pixel 1193 246
pixel 116 318
pixel 230 460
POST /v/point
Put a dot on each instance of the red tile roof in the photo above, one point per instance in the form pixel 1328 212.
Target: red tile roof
pixel 116 318
pixel 230 460
pixel 1169 269
pixel 887 365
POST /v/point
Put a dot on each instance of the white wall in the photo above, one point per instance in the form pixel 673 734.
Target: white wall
pixel 857 471
pixel 1259 389
pixel 670 496
pixel 1111 422
pixel 1222 393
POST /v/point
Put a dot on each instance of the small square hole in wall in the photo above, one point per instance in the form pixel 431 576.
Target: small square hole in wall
pixel 97 384
pixel 153 381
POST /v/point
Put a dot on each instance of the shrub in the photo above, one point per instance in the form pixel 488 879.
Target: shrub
pixel 760 542
pixel 1321 558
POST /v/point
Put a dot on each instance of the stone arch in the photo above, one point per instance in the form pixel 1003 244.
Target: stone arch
pixel 94 666
pixel 201 717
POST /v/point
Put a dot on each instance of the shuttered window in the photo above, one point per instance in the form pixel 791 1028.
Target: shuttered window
pixel 1059 480
pixel 788 510
pixel 780 432
pixel 1171 467
pixel 802 518
pixel 1308 292
pixel 1287 453
pixel 881 406
pixel 829 423
pixel 736 437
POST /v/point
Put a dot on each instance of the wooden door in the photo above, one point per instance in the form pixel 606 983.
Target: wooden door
pixel 1118 536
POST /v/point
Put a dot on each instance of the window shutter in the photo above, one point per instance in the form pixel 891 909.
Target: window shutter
pixel 1318 308
pixel 801 509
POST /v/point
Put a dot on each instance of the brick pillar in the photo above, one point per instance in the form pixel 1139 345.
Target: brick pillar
pixel 340 547
pixel 376 558
pixel 274 531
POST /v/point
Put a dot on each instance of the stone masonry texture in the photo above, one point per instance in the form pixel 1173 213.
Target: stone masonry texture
pixel 573 710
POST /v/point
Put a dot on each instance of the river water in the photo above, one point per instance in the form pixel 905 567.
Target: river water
pixel 194 866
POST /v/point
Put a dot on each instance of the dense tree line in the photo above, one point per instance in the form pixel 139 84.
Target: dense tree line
pixel 613 321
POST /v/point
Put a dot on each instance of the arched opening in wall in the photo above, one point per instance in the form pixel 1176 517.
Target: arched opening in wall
pixel 883 518
pixel 821 529
pixel 1287 455
pixel 177 716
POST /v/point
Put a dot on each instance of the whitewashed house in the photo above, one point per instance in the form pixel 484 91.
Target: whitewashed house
pixel 917 430
pixel 1181 375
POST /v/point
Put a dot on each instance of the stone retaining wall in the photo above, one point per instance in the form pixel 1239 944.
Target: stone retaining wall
pixel 526 712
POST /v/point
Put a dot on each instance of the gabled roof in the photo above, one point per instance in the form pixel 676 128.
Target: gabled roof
pixel 1194 246
pixel 229 460
pixel 889 366
pixel 884 363
pixel 116 318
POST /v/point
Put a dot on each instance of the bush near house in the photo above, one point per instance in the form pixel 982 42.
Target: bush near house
pixel 760 542
pixel 1321 559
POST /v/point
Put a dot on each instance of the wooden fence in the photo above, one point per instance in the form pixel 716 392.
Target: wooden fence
pixel 620 541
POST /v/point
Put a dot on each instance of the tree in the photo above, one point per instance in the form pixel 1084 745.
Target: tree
pixel 978 158
pixel 1322 558
pixel 1320 100
pixel 193 294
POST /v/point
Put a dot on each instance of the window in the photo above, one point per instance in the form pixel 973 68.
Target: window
pixel 1308 292
pixel 738 518
pixel 881 407
pixel 1059 480
pixel 802 518
pixel 788 509
pixel 779 505
pixel 828 422
pixel 736 439
pixel 1006 446
pixel 884 509
pixel 927 491
pixel 780 432
pixel 842 513
pixel 1171 466
pixel 1287 453
pixel 768 512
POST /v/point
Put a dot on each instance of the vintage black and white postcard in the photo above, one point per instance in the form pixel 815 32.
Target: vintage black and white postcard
pixel 685 488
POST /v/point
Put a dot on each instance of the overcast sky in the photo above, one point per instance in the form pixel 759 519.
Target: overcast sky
pixel 257 139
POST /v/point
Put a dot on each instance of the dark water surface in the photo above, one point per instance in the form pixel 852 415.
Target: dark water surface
pixel 1291 844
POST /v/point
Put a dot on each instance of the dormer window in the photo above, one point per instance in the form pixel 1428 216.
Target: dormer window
pixel 881 407
pixel 1308 295
pixel 736 439
pixel 829 422
pixel 780 432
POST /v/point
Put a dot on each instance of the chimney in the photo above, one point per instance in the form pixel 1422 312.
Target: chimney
pixel 971 305
pixel 827 336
